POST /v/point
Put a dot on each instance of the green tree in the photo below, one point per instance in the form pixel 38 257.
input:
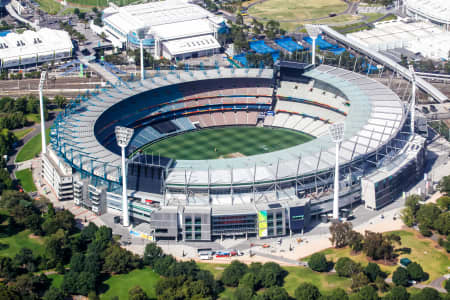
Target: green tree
pixel 151 253
pixel 368 293
pixel 355 241
pixel 413 202
pixel 447 285
pixel 318 262
pixel 307 291
pixel 336 294
pixel 427 214
pixel 442 223
pixel 372 271
pixel 137 293
pixel 243 293
pixel 407 217
pixel 444 185
pixel 233 273
pixel 345 267
pixel 273 293
pixel 60 101
pixel 54 294
pixel 400 277
pixel 397 293
pixel 250 280
pixel 443 203
pixel 426 294
pixel 7 269
pixel 377 246
pixel 119 260
pixel 271 274
pixel 358 281
pixel 416 272
pixel 340 233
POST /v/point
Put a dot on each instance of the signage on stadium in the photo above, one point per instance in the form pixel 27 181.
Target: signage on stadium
pixel 262 223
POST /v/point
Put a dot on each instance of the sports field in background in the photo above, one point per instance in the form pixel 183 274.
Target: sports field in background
pixel 282 10
pixel 226 142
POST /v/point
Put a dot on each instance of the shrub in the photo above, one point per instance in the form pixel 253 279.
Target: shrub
pixel 400 277
pixel 318 262
pixel 345 267
pixel 307 291
pixel 416 272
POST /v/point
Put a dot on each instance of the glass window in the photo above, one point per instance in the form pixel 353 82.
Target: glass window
pixel 189 236
pixel 198 220
pixel 188 220
pixel 198 236
pixel 198 228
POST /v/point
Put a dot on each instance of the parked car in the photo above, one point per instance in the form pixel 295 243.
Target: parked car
pixel 425 109
pixel 433 108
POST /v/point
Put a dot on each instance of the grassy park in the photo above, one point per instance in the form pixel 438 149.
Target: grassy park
pixel 226 142
pixel 119 285
pixel 52 7
pixel 20 134
pixel 31 149
pixel 282 10
pixel 25 178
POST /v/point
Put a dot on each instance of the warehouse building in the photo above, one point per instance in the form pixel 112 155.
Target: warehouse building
pixel 172 28
pixel 34 47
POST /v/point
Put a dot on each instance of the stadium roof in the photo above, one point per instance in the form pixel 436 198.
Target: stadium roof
pixel 375 117
pixel 31 43
pixel 437 10
pixel 155 14
pixel 194 44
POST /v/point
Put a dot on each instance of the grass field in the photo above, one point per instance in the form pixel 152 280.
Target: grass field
pixel 101 3
pixel 57 280
pixel 226 142
pixel 25 178
pixel 16 242
pixel 282 10
pixel 20 134
pixel 119 285
pixel 50 6
pixel 32 148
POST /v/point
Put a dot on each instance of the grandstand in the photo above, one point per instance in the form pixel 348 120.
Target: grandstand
pixel 436 11
pixel 291 184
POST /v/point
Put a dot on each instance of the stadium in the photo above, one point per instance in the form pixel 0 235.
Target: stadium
pixel 236 152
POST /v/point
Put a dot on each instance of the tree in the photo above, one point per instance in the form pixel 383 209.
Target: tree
pixel 336 294
pixel 427 214
pixel 340 233
pixel 368 293
pixel 233 273
pixel 426 294
pixel 250 280
pixel 85 283
pixel 407 217
pixel 416 272
pixel 243 293
pixel 7 268
pixel 377 246
pixel 397 293
pixel 413 203
pixel 372 271
pixel 444 185
pixel 92 295
pixel 77 262
pixel 444 203
pixel 271 274
pixel 54 294
pixel 355 241
pixel 400 277
pixel 119 260
pixel 137 293
pixel 447 285
pixel 273 293
pixel 57 247
pixel 307 291
pixel 345 267
pixel 359 280
pixel 151 253
pixel 442 223
pixel 24 258
pixel 60 101
pixel 381 284
pixel 318 262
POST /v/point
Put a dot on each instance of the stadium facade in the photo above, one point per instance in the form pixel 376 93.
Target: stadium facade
pixel 435 11
pixel 265 195
pixel 171 28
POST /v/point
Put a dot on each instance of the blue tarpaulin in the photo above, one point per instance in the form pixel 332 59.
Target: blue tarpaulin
pixel 261 47
pixel 337 51
pixel 289 44
pixel 241 58
pixel 321 43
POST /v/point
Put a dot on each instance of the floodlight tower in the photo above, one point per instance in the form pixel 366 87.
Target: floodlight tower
pixel 337 135
pixel 123 137
pixel 313 32
pixel 41 107
pixel 413 97
pixel 141 37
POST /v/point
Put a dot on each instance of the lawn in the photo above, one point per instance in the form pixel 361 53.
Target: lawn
pixel 20 134
pixel 119 285
pixel 282 10
pixel 50 6
pixel 226 142
pixel 334 21
pixel 57 280
pixel 25 178
pixel 16 242
pixel 433 261
pixel 33 118
pixel 297 275
pixel 101 3
pixel 32 148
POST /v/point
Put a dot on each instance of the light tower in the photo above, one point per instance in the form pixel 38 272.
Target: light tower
pixel 41 107
pixel 313 32
pixel 123 137
pixel 413 98
pixel 141 36
pixel 337 134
